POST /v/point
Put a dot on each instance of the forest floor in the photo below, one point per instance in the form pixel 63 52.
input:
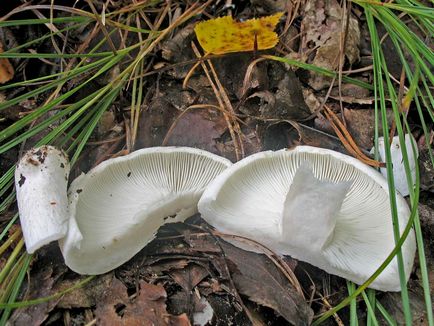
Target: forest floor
pixel 188 275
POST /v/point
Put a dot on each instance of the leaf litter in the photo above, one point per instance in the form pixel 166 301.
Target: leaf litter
pixel 187 271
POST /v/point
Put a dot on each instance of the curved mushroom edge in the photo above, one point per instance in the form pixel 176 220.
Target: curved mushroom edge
pixel 139 228
pixel 386 281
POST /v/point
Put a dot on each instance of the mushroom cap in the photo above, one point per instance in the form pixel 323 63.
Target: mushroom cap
pixel 117 207
pixel 41 179
pixel 249 199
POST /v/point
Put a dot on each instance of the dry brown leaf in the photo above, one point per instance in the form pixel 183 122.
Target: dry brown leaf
pixel 45 273
pixel 282 100
pixel 393 303
pixel 189 276
pixel 361 125
pixel 208 127
pixel 177 49
pixel 41 286
pixel 6 69
pixel 148 308
pixel 321 28
pixel 426 170
pixel 258 278
pixel 83 297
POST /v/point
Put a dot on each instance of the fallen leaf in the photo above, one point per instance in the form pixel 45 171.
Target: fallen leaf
pixel 203 316
pixel 153 125
pixel 208 273
pixel 180 302
pixel 426 215
pixel 165 264
pixel 251 143
pixel 208 127
pixel 258 278
pixel 178 49
pixel 227 311
pixel 224 35
pixel 46 271
pixel 181 320
pixel 361 125
pixel 189 276
pixel 355 92
pixel 148 308
pixel 284 135
pixel 426 170
pixel 6 69
pixel 321 29
pixel 83 297
pixel 289 97
pixel 270 6
pixel 40 286
pixel 393 304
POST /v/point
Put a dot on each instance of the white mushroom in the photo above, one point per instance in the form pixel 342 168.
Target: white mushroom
pixel 41 179
pixel 117 208
pixel 399 175
pixel 317 205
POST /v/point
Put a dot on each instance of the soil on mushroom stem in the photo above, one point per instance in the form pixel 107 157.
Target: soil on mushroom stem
pixel 186 270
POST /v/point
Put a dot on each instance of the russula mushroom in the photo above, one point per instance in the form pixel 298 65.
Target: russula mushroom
pixel 117 207
pixel 398 161
pixel 317 205
pixel 41 178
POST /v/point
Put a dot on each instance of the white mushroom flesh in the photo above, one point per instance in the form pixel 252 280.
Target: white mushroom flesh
pixel 117 208
pixel 399 174
pixel 306 199
pixel 249 198
pixel 41 179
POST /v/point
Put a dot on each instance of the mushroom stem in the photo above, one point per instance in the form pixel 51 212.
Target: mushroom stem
pixel 41 179
pixel 310 210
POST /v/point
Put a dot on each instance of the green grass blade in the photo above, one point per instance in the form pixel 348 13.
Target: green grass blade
pixel 319 70
pixel 40 21
pixel 8 226
pixel 389 319
pixel 354 320
pixel 17 285
pixel 28 303
pixel 380 69
pixel 371 319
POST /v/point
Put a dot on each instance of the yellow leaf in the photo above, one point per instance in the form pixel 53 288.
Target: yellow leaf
pixel 224 35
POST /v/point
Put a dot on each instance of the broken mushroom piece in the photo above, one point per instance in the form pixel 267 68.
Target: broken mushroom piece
pixel 399 174
pixel 316 205
pixel 41 178
pixel 117 207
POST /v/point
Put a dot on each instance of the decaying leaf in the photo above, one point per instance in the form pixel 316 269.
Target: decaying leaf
pixel 322 29
pixel 190 276
pixel 148 308
pixel 392 302
pixel 426 169
pixel 83 297
pixel 224 35
pixel 41 286
pixel 46 272
pixel 208 127
pixel 178 49
pixel 257 277
pixel 6 69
